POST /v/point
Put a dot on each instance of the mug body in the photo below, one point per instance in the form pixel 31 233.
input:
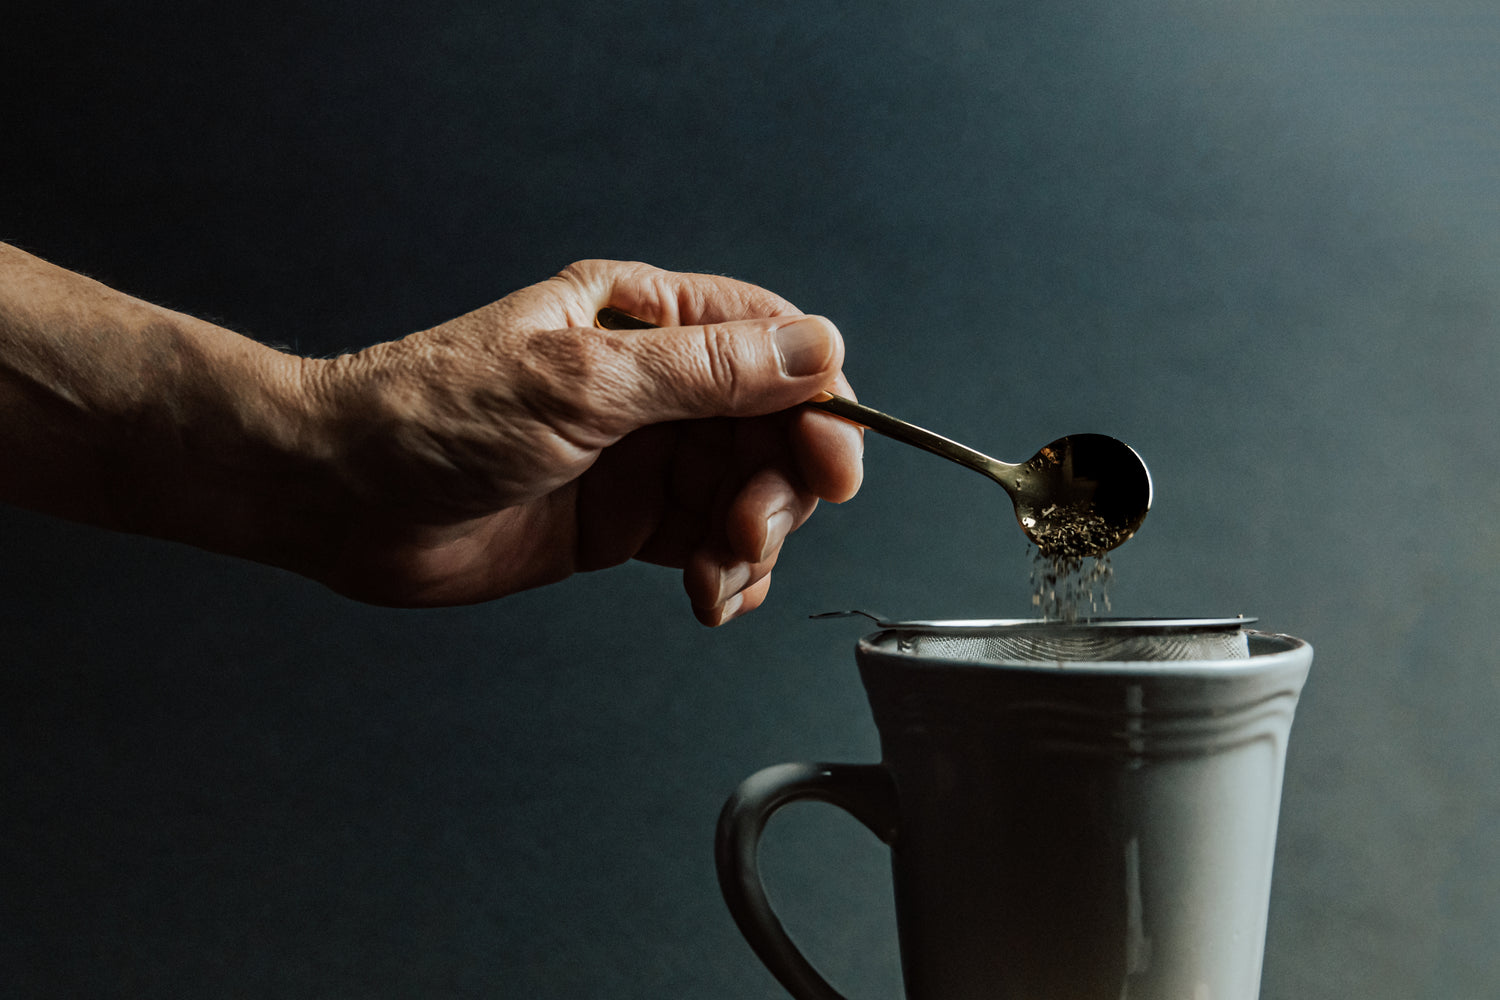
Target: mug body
pixel 1083 830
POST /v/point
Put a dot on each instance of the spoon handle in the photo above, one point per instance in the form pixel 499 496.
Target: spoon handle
pixel 907 433
pixel 610 318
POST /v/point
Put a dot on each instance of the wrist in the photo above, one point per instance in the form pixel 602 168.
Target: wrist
pixel 231 451
pixel 120 413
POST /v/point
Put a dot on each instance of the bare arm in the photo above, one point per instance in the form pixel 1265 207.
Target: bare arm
pixel 120 413
pixel 503 450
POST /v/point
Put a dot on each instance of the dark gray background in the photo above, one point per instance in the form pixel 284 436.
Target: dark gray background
pixel 1257 240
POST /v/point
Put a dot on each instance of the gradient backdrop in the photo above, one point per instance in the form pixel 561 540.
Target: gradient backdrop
pixel 1257 240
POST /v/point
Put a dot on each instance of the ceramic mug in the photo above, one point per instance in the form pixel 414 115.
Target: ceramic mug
pixel 1059 829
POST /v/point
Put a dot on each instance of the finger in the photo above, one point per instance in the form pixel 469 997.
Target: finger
pixel 767 509
pixel 701 482
pixel 828 450
pixel 752 517
pixel 593 386
pixel 713 581
pixel 739 602
pixel 712 575
pixel 705 475
pixel 749 599
pixel 739 368
pixel 754 595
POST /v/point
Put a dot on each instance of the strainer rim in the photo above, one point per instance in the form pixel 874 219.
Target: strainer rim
pixel 961 626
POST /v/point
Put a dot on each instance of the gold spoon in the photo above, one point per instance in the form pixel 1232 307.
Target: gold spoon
pixel 1077 497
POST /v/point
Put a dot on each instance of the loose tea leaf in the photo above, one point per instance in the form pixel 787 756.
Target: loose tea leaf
pixel 1064 589
pixel 1066 539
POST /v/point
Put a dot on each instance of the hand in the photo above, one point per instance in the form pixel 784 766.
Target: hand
pixel 518 444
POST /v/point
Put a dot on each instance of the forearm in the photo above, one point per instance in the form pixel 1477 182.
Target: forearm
pixel 120 413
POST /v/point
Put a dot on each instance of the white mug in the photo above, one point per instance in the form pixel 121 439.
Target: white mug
pixel 1060 829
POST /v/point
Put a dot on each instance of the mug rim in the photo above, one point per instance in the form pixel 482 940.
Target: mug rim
pixel 1283 648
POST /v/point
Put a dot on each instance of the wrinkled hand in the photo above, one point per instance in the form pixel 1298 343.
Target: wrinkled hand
pixel 518 444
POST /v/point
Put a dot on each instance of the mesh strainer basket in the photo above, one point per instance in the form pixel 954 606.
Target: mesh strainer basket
pixel 1118 640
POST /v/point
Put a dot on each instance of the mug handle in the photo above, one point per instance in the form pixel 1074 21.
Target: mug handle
pixel 865 791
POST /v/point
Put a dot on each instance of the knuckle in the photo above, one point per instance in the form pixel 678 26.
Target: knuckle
pixel 721 363
pixel 583 272
pixel 575 377
pixel 600 273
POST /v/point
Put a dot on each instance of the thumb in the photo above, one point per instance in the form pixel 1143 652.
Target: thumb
pixel 740 368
